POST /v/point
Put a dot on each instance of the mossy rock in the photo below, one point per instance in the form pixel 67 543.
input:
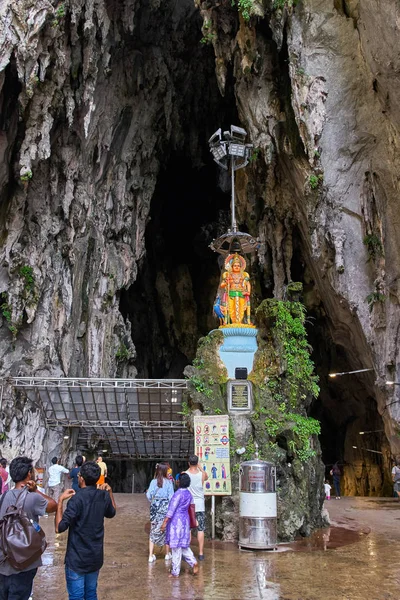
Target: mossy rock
pixel 208 376
pixel 283 384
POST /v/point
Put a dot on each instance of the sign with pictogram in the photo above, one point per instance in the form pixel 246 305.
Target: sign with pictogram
pixel 212 448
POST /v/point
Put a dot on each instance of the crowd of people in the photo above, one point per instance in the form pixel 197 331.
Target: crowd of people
pixel 89 501
pixel 336 474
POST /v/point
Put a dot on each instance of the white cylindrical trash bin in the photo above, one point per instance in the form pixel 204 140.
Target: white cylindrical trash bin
pixel 258 505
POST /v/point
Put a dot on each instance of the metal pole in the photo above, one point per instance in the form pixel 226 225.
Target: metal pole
pixel 234 226
pixel 212 517
pixel 133 483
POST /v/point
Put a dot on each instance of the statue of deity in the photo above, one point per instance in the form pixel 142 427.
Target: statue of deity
pixel 234 296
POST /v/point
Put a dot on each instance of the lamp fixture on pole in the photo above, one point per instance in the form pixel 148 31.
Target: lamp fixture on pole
pixel 230 150
pixel 367 450
pixel 350 372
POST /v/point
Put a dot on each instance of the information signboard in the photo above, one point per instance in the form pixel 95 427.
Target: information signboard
pixel 212 448
pixel 239 395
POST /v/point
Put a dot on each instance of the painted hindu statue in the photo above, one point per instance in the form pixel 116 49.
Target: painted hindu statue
pixel 233 302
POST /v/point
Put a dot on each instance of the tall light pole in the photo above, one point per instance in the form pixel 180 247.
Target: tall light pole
pixel 229 150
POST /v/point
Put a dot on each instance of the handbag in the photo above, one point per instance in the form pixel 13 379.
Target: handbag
pixel 192 516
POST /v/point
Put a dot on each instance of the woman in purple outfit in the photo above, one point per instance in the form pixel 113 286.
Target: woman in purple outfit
pixel 177 525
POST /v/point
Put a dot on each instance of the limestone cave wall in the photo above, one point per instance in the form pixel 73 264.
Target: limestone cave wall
pixel 109 198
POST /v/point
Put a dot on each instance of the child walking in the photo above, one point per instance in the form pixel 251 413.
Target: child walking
pixel 177 527
pixel 327 489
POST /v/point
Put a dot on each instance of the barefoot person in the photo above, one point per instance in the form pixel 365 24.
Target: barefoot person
pixel 84 517
pixel 159 494
pixel 197 478
pixel 176 524
pixel 54 483
pixel 396 478
pixel 103 470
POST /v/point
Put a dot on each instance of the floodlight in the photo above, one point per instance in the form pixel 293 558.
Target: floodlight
pixel 66 437
pixel 219 151
pixel 229 149
pixel 238 132
pixel 216 137
pixel 237 150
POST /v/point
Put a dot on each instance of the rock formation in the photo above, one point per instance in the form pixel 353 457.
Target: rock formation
pixel 109 198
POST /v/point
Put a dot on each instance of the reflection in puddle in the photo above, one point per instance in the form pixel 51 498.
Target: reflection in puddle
pixel 345 561
pixel 328 539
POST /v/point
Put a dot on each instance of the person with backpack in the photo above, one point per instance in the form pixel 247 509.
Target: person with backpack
pixel 84 517
pixel 21 508
pixel 396 477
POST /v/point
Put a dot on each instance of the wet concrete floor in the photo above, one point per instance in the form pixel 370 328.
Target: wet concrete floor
pixel 358 558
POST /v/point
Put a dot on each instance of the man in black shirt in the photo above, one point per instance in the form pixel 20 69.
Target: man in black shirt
pixel 84 516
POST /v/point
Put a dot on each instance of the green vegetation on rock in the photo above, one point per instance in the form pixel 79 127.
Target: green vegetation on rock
pixel 26 272
pixel 255 154
pixel 374 298
pixel 245 7
pixel 6 311
pixel 315 180
pixel 59 13
pixel 374 246
pixel 280 4
pixel 285 323
pixel 207 377
pixel 26 176
pixel 208 35
pixel 123 353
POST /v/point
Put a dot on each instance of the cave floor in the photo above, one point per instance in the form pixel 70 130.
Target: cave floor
pixel 358 558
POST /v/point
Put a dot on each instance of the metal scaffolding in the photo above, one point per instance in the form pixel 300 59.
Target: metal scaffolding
pixel 134 418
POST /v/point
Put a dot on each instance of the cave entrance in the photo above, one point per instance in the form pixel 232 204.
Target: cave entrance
pixel 132 422
pixel 170 304
pixel 352 430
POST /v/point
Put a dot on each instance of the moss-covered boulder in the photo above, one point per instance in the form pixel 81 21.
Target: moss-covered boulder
pixel 284 385
pixel 207 376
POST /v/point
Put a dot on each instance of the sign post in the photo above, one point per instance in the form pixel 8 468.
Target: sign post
pixel 211 437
